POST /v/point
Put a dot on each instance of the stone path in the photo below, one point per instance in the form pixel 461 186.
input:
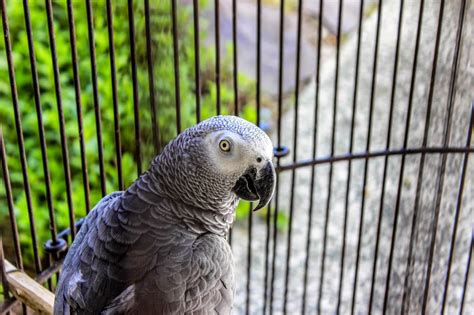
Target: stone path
pixel 461 112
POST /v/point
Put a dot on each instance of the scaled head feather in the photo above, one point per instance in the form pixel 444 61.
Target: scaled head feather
pixel 218 161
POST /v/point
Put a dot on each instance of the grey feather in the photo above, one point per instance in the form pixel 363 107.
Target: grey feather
pixel 159 247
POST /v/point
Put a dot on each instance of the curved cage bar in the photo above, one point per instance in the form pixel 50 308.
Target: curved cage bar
pixel 369 108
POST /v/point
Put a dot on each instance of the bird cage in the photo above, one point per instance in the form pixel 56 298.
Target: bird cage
pixel 369 108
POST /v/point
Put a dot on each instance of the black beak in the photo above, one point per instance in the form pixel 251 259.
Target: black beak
pixel 255 185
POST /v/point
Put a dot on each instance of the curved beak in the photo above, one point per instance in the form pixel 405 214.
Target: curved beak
pixel 255 185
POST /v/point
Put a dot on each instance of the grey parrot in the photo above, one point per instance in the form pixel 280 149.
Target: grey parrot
pixel 160 246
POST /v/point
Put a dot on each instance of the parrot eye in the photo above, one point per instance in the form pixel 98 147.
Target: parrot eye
pixel 224 145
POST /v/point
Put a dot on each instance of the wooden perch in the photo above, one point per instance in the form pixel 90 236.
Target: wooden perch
pixel 27 290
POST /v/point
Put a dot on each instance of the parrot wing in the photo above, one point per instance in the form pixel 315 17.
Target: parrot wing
pixel 145 266
pixel 98 266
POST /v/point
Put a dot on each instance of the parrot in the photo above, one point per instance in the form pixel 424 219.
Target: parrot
pixel 160 246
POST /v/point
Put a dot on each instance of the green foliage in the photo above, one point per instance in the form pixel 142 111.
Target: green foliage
pixel 162 42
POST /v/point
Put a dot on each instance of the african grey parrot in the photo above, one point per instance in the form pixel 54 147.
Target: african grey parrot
pixel 160 246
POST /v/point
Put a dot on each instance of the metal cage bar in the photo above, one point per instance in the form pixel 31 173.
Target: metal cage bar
pixel 295 149
pixel 113 74
pixel 155 124
pixel 77 91
pixel 9 195
pixel 95 92
pixel 441 170
pixel 331 165
pixel 410 262
pixel 176 65
pixel 387 147
pixel 39 117
pixel 234 54
pixel 136 109
pixel 279 147
pixel 258 100
pixel 62 131
pixel 314 152
pixel 197 71
pixel 19 133
pixel 367 149
pixel 402 165
pixel 272 252
pixel 218 55
pixel 351 148
pixel 468 268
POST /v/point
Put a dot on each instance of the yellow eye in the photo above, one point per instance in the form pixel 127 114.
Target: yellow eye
pixel 224 145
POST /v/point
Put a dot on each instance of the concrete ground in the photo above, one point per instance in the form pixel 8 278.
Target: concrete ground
pixel 409 179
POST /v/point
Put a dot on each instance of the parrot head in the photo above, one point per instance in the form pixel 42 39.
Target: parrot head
pixel 244 152
pixel 225 158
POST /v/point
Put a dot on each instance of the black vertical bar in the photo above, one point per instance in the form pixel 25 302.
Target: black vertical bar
pixel 151 80
pixel 113 73
pixel 295 147
pixel 410 262
pixel 9 196
pixel 19 133
pixel 453 237
pixel 77 90
pixel 236 89
pixel 367 148
pixel 48 264
pixel 249 261
pixel 176 65
pixel 95 93
pixel 11 73
pixel 234 44
pixel 466 277
pixel 259 49
pixel 258 99
pixel 275 233
pixel 313 167
pixel 3 275
pixel 136 111
pixel 280 76
pixel 39 118
pixel 267 260
pixel 62 132
pixel 218 58
pixel 351 146
pixel 197 70
pixel 280 105
pixel 402 166
pixel 333 138
pixel 250 219
pixel 446 137
pixel 387 147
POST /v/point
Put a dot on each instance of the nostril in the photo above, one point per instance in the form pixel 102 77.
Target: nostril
pixel 259 159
